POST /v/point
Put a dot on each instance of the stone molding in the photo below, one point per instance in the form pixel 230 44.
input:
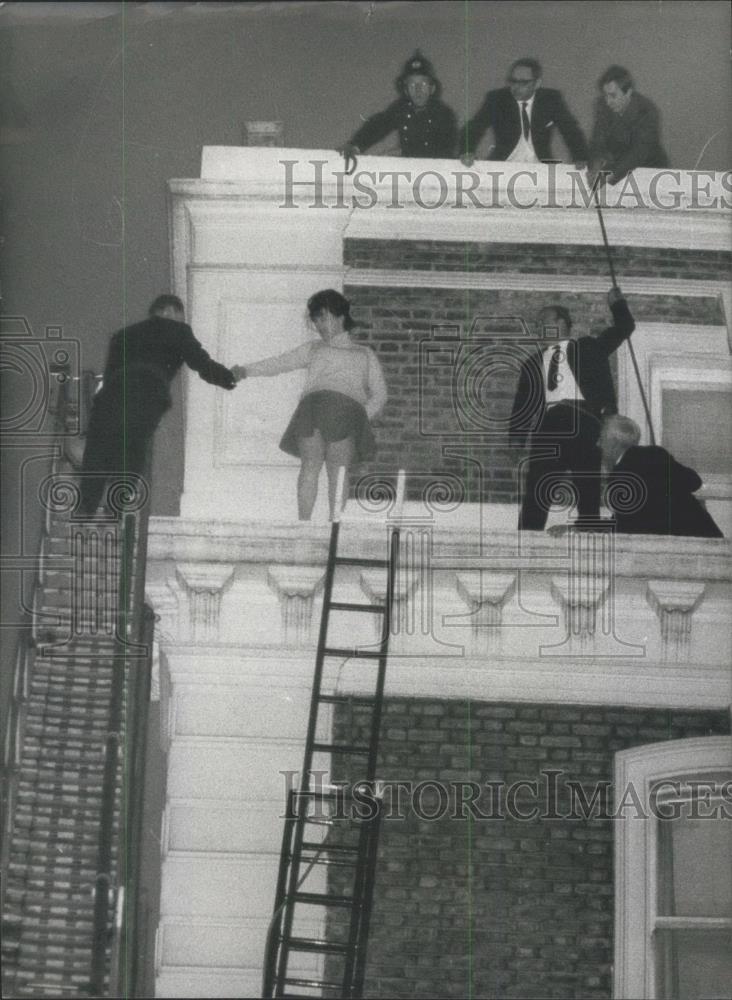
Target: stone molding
pixel 454 545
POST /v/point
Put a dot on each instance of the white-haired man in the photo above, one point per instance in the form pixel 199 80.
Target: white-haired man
pixel 648 491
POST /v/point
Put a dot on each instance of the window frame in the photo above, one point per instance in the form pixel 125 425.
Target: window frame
pixel 637 855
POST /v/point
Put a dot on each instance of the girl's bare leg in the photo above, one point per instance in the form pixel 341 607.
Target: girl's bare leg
pixel 312 456
pixel 338 453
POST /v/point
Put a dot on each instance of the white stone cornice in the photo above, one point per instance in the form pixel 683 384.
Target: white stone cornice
pixel 565 226
pixel 675 602
pixel 456 544
pixel 440 199
pixel 296 587
pixel 204 584
pixel 303 176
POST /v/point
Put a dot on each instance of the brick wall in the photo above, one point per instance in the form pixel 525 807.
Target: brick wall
pixel 539 258
pixel 500 907
pixel 450 418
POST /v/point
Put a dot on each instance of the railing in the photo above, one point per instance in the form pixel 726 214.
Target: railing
pixel 128 955
pixel 118 905
pixel 60 411
pixel 119 909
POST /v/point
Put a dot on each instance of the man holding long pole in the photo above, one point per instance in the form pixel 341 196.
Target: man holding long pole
pixel 565 389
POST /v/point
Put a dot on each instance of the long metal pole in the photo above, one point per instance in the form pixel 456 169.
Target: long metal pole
pixel 629 341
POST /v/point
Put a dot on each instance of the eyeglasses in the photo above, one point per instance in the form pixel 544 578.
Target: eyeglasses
pixel 513 79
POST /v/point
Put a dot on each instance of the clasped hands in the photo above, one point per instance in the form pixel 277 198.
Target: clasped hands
pixel 239 372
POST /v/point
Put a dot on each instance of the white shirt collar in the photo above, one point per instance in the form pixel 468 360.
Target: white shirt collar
pixel 529 104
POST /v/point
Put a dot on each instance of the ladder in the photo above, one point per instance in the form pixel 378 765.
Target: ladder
pixel 314 807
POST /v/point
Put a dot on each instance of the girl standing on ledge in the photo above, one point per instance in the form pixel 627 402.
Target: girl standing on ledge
pixel 344 390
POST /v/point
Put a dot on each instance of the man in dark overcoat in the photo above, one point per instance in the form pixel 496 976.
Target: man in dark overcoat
pixel 141 363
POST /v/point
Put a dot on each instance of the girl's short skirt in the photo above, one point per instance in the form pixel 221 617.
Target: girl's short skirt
pixel 337 417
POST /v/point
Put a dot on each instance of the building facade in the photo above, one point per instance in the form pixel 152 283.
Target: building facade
pixel 540 686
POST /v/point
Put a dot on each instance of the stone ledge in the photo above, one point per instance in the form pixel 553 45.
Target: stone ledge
pixel 231 171
pixel 453 546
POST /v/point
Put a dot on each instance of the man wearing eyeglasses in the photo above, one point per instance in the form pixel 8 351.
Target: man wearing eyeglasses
pixel 523 116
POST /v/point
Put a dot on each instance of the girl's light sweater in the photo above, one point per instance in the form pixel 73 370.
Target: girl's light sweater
pixel 339 366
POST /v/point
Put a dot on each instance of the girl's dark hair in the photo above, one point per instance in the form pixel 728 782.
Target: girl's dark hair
pixel 334 303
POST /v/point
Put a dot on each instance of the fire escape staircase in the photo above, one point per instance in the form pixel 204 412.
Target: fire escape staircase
pixel 74 750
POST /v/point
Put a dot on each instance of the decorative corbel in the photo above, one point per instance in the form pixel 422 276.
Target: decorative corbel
pixel 581 596
pixel 204 585
pixel 485 594
pixel 404 611
pixel 296 587
pixel 674 602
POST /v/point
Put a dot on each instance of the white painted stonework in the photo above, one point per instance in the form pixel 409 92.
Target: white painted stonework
pixel 482 613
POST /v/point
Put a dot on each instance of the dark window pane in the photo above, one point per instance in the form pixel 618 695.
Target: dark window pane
pixel 697 428
pixel 693 965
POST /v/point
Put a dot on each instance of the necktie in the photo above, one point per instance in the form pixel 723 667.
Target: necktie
pixel 552 379
pixel 525 120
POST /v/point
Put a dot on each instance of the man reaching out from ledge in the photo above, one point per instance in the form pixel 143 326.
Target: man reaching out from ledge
pixel 627 129
pixel 648 491
pixel 142 361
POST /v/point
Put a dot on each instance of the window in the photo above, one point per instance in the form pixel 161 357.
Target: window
pixel 687 413
pixel 673 863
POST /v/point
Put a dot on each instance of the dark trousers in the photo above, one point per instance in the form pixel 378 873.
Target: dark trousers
pixel 564 446
pixel 122 423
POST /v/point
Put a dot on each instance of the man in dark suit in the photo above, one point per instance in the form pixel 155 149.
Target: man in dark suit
pixel 565 387
pixel 425 125
pixel 648 491
pixel 142 362
pixel 523 116
pixel 627 131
